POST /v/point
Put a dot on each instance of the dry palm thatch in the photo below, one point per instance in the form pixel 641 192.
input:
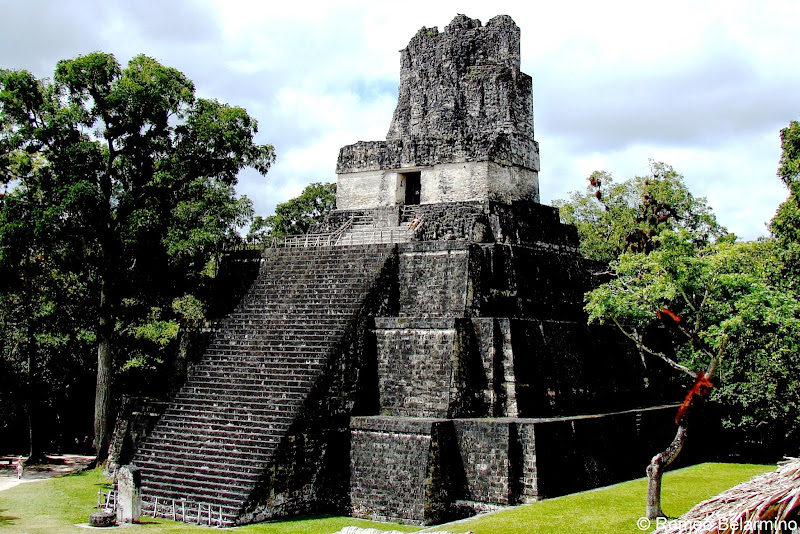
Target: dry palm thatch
pixel 765 500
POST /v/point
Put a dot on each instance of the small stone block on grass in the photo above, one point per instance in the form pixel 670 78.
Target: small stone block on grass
pixel 103 519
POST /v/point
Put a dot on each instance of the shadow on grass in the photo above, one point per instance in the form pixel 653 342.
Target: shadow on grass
pixel 148 521
pixel 296 519
pixel 6 520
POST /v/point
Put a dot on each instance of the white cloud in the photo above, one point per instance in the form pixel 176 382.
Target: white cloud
pixel 704 86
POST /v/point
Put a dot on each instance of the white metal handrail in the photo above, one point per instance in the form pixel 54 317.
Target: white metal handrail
pixel 205 512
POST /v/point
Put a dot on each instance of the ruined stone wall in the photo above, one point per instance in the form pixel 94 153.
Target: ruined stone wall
pixel 389 467
pixel 456 278
pixel 415 366
pixel 499 330
pixel 533 282
pixel 430 470
pixel 366 189
pixel 463 81
pixel 445 182
pixel 433 279
pixel 462 101
pixel 487 456
pixel 501 148
pixel 520 223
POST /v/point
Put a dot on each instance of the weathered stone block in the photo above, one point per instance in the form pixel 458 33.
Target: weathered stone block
pixel 102 519
pixel 129 494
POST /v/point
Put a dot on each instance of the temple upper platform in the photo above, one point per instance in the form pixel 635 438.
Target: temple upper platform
pixel 462 129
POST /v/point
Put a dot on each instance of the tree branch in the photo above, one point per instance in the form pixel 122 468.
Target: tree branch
pixel 714 363
pixel 661 355
pixel 687 300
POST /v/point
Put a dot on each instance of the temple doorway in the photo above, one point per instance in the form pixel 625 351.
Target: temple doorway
pixel 412 183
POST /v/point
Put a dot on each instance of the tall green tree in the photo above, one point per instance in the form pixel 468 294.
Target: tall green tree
pixel 149 171
pixel 785 226
pixel 43 320
pixel 731 320
pixel 727 321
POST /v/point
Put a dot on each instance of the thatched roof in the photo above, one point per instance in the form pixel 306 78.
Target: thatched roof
pixel 747 507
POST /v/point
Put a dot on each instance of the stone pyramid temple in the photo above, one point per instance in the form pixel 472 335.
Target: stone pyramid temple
pixel 423 354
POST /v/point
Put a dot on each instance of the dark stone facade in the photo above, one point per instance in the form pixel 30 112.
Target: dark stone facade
pixel 427 470
pixel 490 352
pixel 462 97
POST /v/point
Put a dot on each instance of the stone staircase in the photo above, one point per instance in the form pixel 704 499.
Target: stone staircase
pixel 220 433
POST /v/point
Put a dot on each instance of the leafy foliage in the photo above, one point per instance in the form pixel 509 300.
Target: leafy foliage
pixel 735 304
pixel 725 304
pixel 296 216
pixel 616 217
pixel 132 180
pixel 785 226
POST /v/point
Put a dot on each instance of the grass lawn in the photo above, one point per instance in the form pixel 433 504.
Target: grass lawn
pixel 57 505
pixel 614 509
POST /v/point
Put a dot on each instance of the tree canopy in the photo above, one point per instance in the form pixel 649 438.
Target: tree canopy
pixel 297 215
pixel 613 218
pixel 131 169
pixel 712 295
pixel 785 226
pixel 729 308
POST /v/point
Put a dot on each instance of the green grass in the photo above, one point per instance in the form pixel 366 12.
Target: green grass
pixel 52 505
pixel 615 509
pixel 57 505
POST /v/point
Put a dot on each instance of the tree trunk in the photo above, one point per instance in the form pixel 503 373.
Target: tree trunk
pixel 35 451
pixel 656 470
pixel 103 399
pixel 105 326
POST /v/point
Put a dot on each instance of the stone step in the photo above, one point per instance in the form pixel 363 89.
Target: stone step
pixel 256 375
pixel 232 404
pixel 271 341
pixel 323 269
pixel 225 418
pixel 235 451
pixel 298 381
pixel 237 472
pixel 252 357
pixel 275 392
pixel 264 351
pixel 257 432
pixel 233 463
pixel 184 488
pixel 232 401
pixel 225 368
pixel 241 448
pixel 221 430
pixel 242 459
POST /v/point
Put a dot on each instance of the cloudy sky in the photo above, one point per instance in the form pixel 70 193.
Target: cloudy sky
pixel 704 86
